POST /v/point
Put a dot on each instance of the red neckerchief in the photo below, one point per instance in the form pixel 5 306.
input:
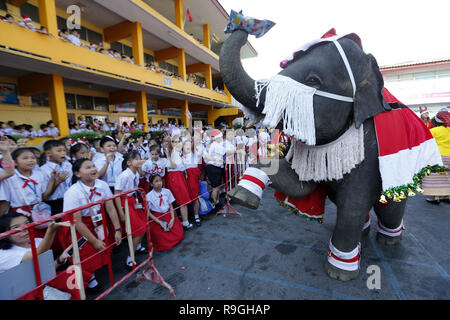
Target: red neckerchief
pixel 28 181
pixel 94 192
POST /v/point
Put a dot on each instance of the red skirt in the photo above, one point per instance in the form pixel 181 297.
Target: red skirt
pixel 165 240
pixel 138 218
pixel 177 184
pixel 87 250
pixel 193 182
pixel 63 278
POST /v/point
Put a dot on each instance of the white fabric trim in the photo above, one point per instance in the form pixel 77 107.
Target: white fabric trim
pixel 308 45
pixel 328 162
pixel 398 169
pixel 291 101
pixel 390 232
pixel 349 266
pixel 257 173
pixel 252 187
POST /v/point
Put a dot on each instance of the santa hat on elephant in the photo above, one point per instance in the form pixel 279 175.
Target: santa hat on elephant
pixel 330 35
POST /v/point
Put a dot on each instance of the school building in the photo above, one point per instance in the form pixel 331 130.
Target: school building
pixel 44 77
pixel 419 84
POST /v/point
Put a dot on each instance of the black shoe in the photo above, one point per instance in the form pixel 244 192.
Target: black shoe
pixel 190 226
pixel 198 222
pixel 141 250
pixel 437 201
pixel 94 290
pixel 129 266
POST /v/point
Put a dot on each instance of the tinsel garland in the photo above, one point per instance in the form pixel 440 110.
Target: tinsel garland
pixel 298 213
pixel 402 192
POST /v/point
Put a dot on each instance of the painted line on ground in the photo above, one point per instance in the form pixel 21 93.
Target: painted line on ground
pixel 387 268
pixel 242 236
pixel 284 283
pixel 441 270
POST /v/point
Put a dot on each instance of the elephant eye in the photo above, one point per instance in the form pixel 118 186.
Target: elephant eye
pixel 313 81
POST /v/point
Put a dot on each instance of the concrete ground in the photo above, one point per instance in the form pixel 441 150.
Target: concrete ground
pixel 272 254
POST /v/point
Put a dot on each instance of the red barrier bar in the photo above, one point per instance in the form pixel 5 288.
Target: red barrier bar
pixel 37 270
pixel 155 276
pixel 108 249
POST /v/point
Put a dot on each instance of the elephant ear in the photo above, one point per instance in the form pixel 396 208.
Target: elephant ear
pixel 369 100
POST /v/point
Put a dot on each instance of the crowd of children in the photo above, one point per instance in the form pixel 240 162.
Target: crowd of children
pixel 182 172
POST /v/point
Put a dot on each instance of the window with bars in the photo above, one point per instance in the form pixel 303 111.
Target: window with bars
pixel 31 11
pixel 3 5
pixel 71 102
pixel 148 58
pixel 85 102
pixel 122 48
pixel 101 104
pixel 40 100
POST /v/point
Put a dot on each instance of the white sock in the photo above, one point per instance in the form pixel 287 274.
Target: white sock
pixel 185 223
pixel 92 282
pixel 139 246
pixel 197 217
pixel 129 262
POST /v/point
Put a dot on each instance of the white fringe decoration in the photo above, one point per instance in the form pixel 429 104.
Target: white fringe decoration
pixel 292 101
pixel 328 162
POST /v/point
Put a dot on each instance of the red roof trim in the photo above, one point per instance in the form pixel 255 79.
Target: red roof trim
pixel 414 65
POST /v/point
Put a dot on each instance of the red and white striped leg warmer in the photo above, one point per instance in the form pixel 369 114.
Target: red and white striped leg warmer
pixel 390 232
pixel 255 181
pixel 348 261
pixel 367 223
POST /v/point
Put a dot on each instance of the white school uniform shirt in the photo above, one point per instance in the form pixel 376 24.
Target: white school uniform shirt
pixel 216 150
pixel 79 193
pixel 17 194
pixel 177 158
pixel 3 132
pixel 127 180
pixel 230 149
pixel 13 256
pixel 74 39
pixel 158 167
pixel 54 132
pixel 46 171
pixel 154 200
pixel 114 168
pixel 190 161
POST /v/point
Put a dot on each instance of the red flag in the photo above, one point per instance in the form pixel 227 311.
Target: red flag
pixel 188 15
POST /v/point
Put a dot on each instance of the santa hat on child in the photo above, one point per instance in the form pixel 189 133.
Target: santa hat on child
pixel 26 18
pixel 216 133
pixel 423 110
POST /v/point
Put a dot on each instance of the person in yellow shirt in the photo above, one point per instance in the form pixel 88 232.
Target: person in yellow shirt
pixel 438 185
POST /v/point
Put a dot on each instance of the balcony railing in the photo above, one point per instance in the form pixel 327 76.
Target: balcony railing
pixel 22 41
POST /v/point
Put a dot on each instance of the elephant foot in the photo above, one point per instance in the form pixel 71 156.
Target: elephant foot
pixel 387 240
pixel 387 236
pixel 343 266
pixel 244 197
pixel 339 274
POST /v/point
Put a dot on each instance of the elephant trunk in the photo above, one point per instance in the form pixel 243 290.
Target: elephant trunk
pixel 238 82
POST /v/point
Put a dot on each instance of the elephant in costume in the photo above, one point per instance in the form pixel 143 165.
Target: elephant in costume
pixel 355 192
